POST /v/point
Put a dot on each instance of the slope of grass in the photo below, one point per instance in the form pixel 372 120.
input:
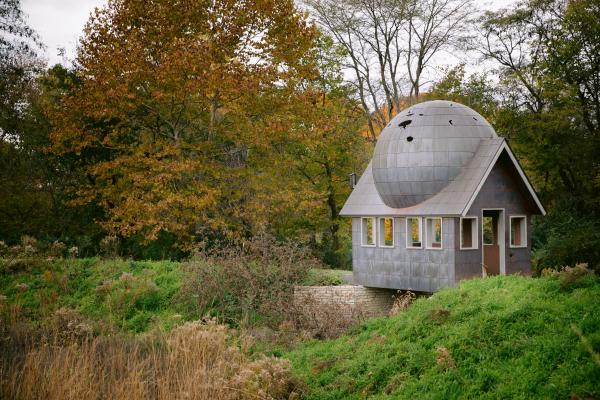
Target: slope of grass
pixel 130 295
pixel 502 337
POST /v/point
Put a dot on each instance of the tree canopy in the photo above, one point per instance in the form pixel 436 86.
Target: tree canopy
pixel 193 121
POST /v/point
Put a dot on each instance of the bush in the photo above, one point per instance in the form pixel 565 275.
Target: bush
pixel 563 239
pixel 246 283
pixel 402 300
pixel 572 277
pixel 109 246
pixel 68 326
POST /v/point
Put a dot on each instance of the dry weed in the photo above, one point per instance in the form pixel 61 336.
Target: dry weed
pixel 402 300
pixel 194 361
pixel 444 358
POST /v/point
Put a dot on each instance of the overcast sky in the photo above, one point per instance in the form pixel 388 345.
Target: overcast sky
pixel 60 22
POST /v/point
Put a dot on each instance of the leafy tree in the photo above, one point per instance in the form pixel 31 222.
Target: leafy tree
pixel 305 174
pixel 475 90
pixel 31 181
pixel 548 58
pixel 172 99
pixel 18 40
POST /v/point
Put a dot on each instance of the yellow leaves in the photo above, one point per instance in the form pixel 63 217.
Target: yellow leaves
pixel 177 109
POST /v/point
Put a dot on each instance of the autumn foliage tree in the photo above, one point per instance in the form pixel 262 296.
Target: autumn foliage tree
pixel 172 99
pixel 304 171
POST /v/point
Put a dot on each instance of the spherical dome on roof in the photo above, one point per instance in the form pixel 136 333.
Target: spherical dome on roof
pixel 424 148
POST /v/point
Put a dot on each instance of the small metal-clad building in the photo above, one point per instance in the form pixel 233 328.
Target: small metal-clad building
pixel 443 199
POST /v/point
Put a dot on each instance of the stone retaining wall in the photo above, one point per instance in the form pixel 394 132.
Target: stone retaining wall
pixel 351 299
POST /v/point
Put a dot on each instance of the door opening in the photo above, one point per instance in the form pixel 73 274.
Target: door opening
pixel 493 239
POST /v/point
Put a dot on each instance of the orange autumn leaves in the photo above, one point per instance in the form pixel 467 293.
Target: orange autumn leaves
pixel 203 117
pixel 172 97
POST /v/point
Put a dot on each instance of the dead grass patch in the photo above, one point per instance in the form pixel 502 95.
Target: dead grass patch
pixel 194 361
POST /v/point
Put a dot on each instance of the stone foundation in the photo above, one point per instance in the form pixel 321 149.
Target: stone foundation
pixel 349 299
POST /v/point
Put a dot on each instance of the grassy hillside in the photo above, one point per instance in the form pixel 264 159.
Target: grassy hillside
pixel 503 337
pixel 129 296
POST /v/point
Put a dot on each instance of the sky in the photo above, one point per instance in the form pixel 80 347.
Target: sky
pixel 60 23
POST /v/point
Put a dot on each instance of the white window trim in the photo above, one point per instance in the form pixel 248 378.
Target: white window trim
pixel 441 234
pixel 409 235
pixel 381 235
pixel 374 232
pixel 510 218
pixel 474 234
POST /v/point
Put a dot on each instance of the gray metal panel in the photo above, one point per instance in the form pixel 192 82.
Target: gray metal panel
pixel 450 200
pixel 445 135
pixel 423 270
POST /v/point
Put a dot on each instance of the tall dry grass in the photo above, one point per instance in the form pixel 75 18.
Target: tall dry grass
pixel 194 361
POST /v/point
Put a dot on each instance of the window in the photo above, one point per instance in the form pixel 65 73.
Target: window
pixel 518 231
pixel 488 230
pixel 368 231
pixel 386 232
pixel 433 233
pixel 468 233
pixel 413 233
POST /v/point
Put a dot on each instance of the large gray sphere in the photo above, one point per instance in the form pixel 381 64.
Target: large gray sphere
pixel 424 148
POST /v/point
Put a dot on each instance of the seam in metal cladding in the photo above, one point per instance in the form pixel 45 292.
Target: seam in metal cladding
pixel 438 134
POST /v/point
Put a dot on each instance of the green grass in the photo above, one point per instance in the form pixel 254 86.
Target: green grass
pixel 130 295
pixel 508 337
pixel 325 277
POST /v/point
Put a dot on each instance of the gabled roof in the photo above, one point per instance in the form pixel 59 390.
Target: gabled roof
pixel 453 200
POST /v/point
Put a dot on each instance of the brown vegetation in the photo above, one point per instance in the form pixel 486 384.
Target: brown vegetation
pixel 402 300
pixel 197 360
pixel 240 284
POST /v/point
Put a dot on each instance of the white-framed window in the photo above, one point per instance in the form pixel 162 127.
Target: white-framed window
pixel 469 237
pixel 414 233
pixel 518 230
pixel 433 233
pixel 368 235
pixel 386 232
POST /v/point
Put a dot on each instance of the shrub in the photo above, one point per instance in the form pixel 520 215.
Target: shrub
pixel 324 277
pixel 57 249
pixel 245 283
pixel 67 326
pixel 571 277
pixel 563 239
